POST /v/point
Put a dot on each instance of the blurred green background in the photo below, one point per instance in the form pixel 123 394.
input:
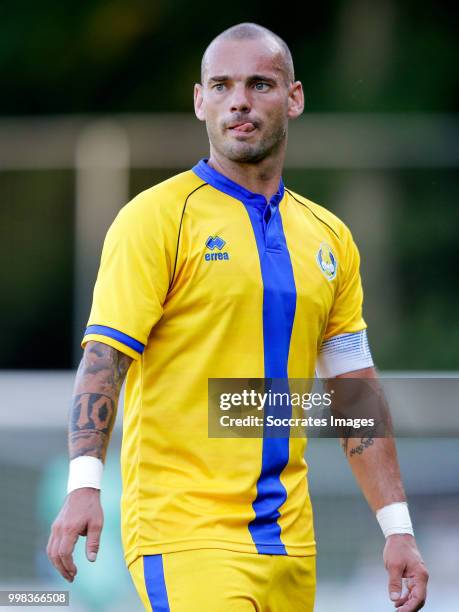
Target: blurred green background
pixel 144 56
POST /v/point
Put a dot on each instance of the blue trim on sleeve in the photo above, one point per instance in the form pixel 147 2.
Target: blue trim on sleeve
pixel 103 330
pixel 153 571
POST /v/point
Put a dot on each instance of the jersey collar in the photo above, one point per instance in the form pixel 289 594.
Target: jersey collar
pixel 223 183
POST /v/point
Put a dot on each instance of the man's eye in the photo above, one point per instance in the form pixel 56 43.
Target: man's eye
pixel 261 86
pixel 219 86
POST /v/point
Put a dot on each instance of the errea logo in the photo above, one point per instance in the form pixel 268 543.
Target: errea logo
pixel 212 243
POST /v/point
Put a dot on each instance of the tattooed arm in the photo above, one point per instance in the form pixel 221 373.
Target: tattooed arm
pixel 97 387
pixel 375 465
pixel 373 459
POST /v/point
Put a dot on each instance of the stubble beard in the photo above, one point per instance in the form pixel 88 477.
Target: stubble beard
pixel 245 152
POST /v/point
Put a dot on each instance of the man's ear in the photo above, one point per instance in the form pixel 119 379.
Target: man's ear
pixel 295 100
pixel 199 102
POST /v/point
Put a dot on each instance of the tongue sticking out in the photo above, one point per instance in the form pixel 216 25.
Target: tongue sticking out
pixel 245 127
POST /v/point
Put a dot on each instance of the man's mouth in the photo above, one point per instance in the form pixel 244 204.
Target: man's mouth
pixel 242 127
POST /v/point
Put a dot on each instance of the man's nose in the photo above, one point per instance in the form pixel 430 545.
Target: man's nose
pixel 240 101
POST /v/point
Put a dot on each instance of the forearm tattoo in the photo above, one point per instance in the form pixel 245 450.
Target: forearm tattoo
pixel 98 383
pixel 354 445
pixel 365 441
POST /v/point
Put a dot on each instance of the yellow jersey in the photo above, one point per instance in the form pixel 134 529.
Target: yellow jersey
pixel 201 278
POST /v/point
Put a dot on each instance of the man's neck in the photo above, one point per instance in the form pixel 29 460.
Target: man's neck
pixel 262 177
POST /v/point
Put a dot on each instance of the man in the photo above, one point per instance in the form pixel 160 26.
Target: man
pixel 222 272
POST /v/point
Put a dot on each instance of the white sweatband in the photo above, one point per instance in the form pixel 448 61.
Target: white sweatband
pixel 344 353
pixel 395 518
pixel 85 472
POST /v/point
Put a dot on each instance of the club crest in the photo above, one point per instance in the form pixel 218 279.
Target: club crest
pixel 327 261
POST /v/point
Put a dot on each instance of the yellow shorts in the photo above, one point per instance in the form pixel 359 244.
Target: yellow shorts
pixel 216 580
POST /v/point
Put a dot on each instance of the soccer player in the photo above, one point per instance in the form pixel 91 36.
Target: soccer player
pixel 223 272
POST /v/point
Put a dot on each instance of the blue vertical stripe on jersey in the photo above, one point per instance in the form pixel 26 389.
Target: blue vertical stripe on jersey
pixel 155 583
pixel 279 305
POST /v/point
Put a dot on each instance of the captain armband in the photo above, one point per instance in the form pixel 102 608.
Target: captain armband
pixel 344 353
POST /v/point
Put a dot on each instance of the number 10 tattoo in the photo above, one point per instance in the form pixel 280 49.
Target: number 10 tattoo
pixel 98 384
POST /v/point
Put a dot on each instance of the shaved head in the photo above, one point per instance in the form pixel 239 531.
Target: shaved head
pixel 247 95
pixel 253 31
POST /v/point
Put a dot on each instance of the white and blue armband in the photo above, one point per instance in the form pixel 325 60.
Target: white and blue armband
pixel 344 353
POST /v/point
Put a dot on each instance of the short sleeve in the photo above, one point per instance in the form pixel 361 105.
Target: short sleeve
pixel 346 312
pixel 132 281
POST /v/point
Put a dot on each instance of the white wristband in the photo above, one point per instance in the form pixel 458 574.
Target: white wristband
pixel 395 518
pixel 85 472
